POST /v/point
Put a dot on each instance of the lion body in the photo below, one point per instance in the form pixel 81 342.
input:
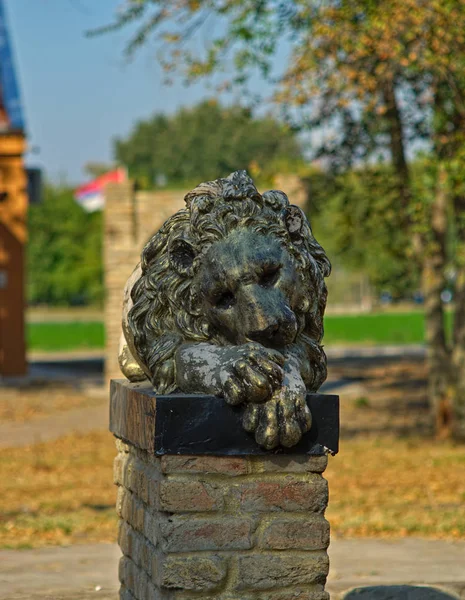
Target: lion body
pixel 163 309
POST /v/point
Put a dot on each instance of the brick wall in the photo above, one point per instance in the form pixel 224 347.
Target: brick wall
pixel 221 528
pixel 130 219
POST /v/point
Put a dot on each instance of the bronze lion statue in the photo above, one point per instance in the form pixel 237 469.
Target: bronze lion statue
pixel 228 300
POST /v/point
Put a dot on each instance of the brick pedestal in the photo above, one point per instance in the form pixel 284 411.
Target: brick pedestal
pixel 235 527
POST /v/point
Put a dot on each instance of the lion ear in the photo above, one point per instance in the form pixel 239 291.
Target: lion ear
pixel 182 255
pixel 294 219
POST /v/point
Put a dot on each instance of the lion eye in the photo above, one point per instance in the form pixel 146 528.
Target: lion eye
pixel 269 277
pixel 225 301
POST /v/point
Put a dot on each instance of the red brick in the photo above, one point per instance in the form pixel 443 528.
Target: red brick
pixel 192 573
pixel 151 528
pixel 129 508
pixel 136 547
pixel 189 496
pixel 296 594
pixel 133 474
pixel 269 571
pixel 289 464
pixel 118 465
pixel 136 580
pixel 190 534
pixel 224 465
pixel 291 495
pixel 125 594
pixel 297 534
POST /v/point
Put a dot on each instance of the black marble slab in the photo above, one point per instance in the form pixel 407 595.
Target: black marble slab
pixel 200 424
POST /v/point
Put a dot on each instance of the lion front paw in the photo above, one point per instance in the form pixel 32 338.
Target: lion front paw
pixel 282 420
pixel 252 374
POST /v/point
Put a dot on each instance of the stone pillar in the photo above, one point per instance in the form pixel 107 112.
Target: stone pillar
pixel 295 187
pixel 130 219
pixel 121 254
pixel 206 513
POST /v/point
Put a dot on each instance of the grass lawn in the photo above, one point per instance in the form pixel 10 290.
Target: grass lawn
pixel 377 328
pixel 380 328
pixel 58 336
pixel 61 492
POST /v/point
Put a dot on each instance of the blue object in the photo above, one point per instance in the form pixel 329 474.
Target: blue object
pixel 9 89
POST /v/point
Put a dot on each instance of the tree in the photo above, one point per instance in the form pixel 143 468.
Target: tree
pixel 355 220
pixel 203 142
pixel 64 251
pixel 381 75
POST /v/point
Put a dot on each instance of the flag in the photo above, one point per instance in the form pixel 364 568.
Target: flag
pixel 91 195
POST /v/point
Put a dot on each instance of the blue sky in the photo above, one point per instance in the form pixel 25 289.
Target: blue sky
pixel 79 93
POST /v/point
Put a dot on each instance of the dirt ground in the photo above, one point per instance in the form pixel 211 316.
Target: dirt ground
pixel 21 405
pixel 383 397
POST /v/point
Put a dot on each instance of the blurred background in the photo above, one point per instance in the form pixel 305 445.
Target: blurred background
pixel 111 111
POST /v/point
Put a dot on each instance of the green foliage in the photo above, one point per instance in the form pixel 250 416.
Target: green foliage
pixel 64 258
pixel 354 216
pixel 373 78
pixel 203 143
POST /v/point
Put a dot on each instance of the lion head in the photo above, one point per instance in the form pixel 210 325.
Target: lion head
pixel 233 266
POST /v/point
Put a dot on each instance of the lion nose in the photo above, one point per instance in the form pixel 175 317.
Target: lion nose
pixel 265 334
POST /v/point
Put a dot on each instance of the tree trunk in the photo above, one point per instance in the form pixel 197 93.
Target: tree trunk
pixel 431 255
pixel 399 163
pixel 440 372
pixel 458 354
pixel 397 146
pixel 451 130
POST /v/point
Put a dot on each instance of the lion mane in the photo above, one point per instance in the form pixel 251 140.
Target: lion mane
pixel 166 311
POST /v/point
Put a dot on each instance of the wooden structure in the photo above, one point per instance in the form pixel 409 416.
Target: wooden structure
pixel 13 209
